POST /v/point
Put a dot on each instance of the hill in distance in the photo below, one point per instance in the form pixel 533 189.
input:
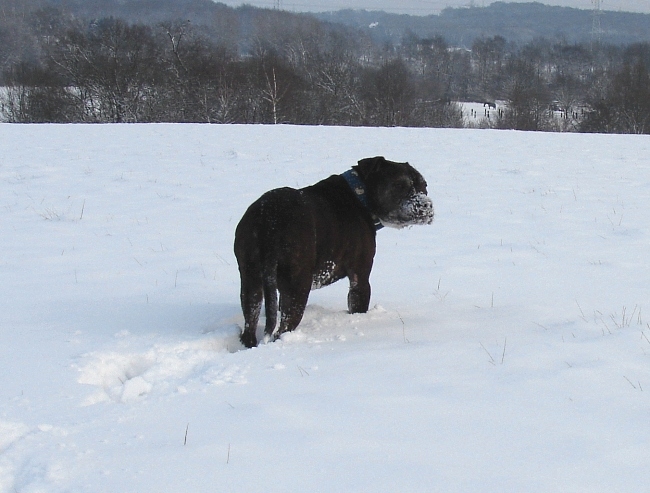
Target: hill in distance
pixel 516 22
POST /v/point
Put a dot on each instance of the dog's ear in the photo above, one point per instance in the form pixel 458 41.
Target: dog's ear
pixel 369 165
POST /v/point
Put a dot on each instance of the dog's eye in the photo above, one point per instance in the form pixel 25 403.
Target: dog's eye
pixel 403 186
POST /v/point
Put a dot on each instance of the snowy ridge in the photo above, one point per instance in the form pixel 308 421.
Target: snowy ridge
pixel 507 349
pixel 124 377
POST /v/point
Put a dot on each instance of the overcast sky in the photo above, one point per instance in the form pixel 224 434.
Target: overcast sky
pixel 425 7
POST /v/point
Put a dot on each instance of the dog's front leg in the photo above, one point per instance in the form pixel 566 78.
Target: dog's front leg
pixel 359 294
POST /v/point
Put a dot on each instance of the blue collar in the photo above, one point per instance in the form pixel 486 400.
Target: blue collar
pixel 357 186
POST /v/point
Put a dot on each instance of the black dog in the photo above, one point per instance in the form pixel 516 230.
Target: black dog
pixel 293 241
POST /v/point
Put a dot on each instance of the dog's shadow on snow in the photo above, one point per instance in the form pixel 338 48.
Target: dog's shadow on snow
pixel 321 324
pixel 145 324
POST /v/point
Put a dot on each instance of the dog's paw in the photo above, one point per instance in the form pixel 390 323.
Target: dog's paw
pixel 248 340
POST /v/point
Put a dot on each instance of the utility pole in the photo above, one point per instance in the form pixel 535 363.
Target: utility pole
pixel 596 30
pixel 277 4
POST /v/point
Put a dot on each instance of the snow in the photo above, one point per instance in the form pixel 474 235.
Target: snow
pixel 479 115
pixel 507 348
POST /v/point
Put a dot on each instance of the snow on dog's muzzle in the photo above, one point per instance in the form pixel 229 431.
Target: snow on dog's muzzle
pixel 417 209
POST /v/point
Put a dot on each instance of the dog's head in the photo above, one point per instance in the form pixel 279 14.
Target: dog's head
pixel 396 192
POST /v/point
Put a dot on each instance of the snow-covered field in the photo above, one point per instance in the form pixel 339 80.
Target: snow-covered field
pixel 507 350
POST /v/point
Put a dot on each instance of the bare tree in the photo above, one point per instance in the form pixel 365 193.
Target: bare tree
pixel 625 107
pixel 488 56
pixel 528 97
pixel 390 92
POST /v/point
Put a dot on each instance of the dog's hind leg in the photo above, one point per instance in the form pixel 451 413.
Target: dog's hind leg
pixel 292 308
pixel 251 304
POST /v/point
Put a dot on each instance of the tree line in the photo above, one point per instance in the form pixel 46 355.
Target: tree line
pixel 278 67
